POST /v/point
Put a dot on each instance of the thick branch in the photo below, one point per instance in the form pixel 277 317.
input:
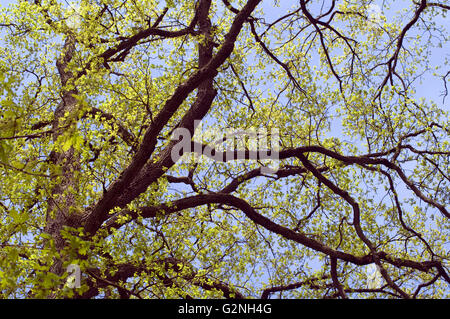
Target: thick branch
pixel 127 270
pixel 268 291
pixel 334 277
pixel 99 212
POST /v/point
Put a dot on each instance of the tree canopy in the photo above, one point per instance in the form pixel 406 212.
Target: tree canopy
pixel 351 200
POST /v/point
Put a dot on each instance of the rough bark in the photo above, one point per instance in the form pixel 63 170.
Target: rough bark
pixel 61 206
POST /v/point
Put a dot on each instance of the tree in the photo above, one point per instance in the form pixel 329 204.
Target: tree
pixel 356 174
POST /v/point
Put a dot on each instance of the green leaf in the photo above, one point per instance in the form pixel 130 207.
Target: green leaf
pixel 5 149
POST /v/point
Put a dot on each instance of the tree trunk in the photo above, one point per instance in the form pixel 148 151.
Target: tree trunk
pixel 61 205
